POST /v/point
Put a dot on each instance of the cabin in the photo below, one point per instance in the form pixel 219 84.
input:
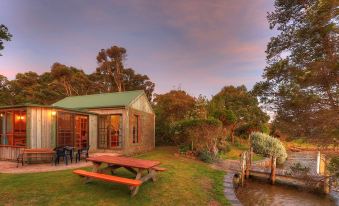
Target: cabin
pixel 121 122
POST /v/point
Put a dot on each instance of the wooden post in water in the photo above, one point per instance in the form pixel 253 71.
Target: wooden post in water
pixel 273 168
pixel 248 163
pixel 242 167
pixel 323 171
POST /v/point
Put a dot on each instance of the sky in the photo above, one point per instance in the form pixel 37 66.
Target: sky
pixel 197 45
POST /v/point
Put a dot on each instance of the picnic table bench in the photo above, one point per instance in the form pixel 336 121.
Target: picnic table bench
pixel 143 170
pixel 34 153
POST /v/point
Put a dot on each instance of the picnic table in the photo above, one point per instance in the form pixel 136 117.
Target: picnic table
pixel 34 153
pixel 143 170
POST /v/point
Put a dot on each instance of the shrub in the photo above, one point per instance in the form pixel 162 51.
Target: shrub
pixel 202 135
pixel 269 146
pixel 207 156
pixel 333 166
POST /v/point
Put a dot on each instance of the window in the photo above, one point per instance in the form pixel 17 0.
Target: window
pixel 13 128
pixel 65 130
pixel 136 132
pixel 72 130
pixel 81 131
pixel 110 131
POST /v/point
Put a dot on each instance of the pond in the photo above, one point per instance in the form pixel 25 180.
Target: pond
pixel 257 192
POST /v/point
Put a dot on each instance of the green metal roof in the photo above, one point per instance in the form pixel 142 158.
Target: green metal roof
pixel 104 100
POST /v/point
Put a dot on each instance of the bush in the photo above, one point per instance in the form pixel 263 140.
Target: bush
pixel 202 135
pixel 333 166
pixel 207 156
pixel 268 146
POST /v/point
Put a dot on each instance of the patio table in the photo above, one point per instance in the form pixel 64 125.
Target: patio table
pixel 143 170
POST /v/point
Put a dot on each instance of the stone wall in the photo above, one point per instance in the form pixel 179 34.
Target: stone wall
pixel 146 132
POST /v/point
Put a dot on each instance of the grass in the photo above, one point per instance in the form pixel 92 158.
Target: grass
pixel 236 150
pixel 186 182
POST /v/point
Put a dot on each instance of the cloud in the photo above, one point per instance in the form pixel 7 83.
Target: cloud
pixel 202 45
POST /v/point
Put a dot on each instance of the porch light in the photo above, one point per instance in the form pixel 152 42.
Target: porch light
pixel 53 113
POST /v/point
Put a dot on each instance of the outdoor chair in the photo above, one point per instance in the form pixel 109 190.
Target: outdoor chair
pixel 69 150
pixel 60 152
pixel 82 153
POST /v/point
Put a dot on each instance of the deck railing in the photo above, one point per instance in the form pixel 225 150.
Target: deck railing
pixel 9 152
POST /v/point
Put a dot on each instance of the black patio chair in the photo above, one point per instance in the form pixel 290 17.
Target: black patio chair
pixel 60 152
pixel 69 150
pixel 82 153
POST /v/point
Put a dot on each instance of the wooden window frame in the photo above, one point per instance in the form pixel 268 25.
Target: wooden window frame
pixel 101 131
pixel 136 139
pixel 14 138
pixel 73 129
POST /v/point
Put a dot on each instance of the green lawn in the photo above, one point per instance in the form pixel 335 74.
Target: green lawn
pixel 235 153
pixel 186 182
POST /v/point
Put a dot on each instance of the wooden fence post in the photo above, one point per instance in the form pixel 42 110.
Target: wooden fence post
pixel 273 168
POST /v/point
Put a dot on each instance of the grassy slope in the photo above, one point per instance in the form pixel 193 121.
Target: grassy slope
pixel 186 182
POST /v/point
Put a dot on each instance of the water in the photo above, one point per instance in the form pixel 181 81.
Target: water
pixel 261 193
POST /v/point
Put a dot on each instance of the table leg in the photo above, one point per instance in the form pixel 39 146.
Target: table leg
pixel 95 168
pixel 134 190
pixel 152 174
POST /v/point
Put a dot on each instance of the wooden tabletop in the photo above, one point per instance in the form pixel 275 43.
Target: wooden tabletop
pixel 125 161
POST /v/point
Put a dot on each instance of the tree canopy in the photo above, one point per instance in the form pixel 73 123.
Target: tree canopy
pixel 301 79
pixel 4 36
pixel 235 106
pixel 171 107
pixel 62 81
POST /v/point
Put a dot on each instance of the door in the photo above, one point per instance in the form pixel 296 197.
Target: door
pixel 110 131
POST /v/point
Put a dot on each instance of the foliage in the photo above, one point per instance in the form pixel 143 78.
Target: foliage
pixel 333 166
pixel 111 68
pixel 63 81
pixel 235 106
pixel 202 134
pixel 268 146
pixel 301 79
pixel 174 187
pixel 135 81
pixel 170 107
pixel 207 156
pixel 4 36
pixel 199 110
pixel 299 170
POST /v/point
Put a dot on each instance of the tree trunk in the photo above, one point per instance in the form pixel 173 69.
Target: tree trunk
pixel 232 133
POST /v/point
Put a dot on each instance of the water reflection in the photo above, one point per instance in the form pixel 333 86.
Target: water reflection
pixel 259 193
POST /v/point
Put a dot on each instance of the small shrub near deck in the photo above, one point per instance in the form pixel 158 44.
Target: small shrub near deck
pixel 267 145
pixel 201 135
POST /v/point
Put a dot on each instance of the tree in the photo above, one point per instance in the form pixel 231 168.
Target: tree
pixel 171 107
pixel 70 81
pixel 4 36
pixel 111 67
pixel 5 95
pixel 134 81
pixel 235 106
pixel 301 79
